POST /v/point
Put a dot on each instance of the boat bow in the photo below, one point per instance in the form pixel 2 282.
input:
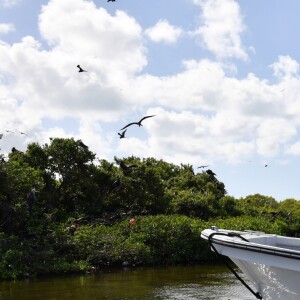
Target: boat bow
pixel 270 261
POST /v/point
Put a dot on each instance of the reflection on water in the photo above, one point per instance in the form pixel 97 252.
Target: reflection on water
pixel 176 283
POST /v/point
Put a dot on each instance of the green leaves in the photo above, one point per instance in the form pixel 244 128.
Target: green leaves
pixel 67 155
pixel 80 215
pixel 155 240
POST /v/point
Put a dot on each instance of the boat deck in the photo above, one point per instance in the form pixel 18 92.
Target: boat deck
pixel 277 241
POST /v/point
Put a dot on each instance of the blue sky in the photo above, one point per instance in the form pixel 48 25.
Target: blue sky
pixel 220 76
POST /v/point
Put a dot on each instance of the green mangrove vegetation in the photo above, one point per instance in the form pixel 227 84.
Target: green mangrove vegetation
pixel 62 210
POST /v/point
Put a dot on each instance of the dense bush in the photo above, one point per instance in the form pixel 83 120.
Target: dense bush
pixel 250 223
pixel 156 239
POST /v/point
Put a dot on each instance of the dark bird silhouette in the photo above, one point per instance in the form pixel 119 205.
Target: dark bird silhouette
pixel 21 132
pixel 1 135
pixel 266 166
pixel 202 167
pixel 14 150
pixel 111 0
pixel 9 131
pixel 122 134
pixel 137 123
pixel 210 172
pixel 80 69
pixel 81 144
pixel 124 167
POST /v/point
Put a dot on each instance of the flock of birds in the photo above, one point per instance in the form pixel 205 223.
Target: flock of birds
pixel 124 129
pixel 116 185
pixel 121 134
pixel 12 132
pixel 139 123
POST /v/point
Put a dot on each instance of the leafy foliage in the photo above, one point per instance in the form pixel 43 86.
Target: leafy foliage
pixel 63 210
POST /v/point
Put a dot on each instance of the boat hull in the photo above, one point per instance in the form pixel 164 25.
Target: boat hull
pixel 271 282
pixel 274 271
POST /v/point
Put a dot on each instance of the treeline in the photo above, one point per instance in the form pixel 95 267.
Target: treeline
pixel 63 210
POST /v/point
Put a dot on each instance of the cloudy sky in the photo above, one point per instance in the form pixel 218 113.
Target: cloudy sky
pixel 220 76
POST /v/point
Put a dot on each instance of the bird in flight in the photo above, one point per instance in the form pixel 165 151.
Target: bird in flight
pixel 137 123
pixel 111 0
pixel 80 69
pixel 202 167
pixel 21 132
pixel 122 134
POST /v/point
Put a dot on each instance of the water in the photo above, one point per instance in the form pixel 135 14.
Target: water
pixel 170 283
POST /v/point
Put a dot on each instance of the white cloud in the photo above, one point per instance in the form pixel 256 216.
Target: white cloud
pixel 273 134
pixel 294 149
pixel 204 113
pixel 216 116
pixel 164 32
pixel 197 87
pixel 221 29
pixel 38 83
pixel 109 42
pixel 188 137
pixel 285 67
pixel 109 47
pixel 6 28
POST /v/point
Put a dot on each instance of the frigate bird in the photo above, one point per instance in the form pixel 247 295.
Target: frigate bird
pixel 124 167
pixel 81 144
pixel 122 134
pixel 24 133
pixel 14 150
pixel 202 167
pixel 210 172
pixel 139 123
pixel 80 69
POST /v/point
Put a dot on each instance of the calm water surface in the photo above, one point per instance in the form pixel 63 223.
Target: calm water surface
pixel 176 283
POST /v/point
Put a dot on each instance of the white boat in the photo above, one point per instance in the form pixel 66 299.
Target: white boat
pixel 271 262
